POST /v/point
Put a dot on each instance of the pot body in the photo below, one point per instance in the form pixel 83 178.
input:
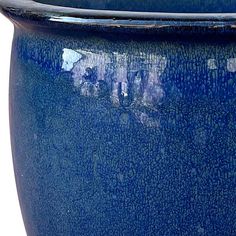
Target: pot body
pixel 124 134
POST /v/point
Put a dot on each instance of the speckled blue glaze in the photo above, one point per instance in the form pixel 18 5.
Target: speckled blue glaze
pixel 124 130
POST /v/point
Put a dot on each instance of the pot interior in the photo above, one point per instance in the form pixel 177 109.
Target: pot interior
pixel 171 6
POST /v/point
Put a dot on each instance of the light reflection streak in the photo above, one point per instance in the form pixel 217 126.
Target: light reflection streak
pixel 132 81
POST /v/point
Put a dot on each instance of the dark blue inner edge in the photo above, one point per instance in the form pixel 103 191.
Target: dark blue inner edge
pixel 171 6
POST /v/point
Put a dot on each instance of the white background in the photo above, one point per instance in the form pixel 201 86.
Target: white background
pixel 11 223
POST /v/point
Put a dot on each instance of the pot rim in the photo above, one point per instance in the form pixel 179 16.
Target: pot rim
pixel 30 9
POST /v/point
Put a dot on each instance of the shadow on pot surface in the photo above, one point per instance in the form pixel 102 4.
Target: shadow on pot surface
pixel 124 122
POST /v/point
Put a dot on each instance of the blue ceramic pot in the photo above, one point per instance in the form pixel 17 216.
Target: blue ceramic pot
pixel 124 122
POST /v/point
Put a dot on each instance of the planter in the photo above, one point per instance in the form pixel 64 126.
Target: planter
pixel 123 122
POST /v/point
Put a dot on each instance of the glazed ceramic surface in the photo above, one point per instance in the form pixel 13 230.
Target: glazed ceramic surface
pixel 123 127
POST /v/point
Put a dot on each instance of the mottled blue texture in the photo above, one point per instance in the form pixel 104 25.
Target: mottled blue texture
pixel 124 137
pixel 124 123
